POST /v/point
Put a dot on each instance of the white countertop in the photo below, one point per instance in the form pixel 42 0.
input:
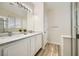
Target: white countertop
pixel 6 39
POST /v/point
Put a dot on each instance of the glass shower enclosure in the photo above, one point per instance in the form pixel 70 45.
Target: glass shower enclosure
pixel 75 28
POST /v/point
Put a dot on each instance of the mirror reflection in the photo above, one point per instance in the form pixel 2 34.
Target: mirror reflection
pixel 12 24
pixel 12 19
pixel 3 24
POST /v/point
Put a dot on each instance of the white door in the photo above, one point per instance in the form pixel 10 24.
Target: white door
pixel 16 49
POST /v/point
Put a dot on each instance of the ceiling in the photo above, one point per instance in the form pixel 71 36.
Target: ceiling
pixel 54 5
pixel 50 5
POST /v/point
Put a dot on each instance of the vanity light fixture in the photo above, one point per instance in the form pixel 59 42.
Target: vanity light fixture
pixel 21 5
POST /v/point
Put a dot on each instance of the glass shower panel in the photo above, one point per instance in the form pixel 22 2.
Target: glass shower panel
pixel 77 29
pixel 78 18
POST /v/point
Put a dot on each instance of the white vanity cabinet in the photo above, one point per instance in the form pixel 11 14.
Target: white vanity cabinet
pixel 27 46
pixel 18 48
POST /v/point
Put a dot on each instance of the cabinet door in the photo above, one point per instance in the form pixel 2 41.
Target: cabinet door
pixel 0 51
pixel 28 46
pixel 38 42
pixel 33 49
pixel 16 49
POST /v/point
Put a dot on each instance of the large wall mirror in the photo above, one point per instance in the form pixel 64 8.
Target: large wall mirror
pixel 13 17
pixel 12 24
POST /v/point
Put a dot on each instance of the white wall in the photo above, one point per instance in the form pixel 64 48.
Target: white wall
pixel 39 16
pixel 58 21
pixel 35 19
pixel 38 21
pixel 45 26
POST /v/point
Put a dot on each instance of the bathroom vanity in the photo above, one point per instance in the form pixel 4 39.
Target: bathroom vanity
pixel 20 44
pixel 15 19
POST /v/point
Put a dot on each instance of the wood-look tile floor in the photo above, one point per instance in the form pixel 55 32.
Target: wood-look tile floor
pixel 50 50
